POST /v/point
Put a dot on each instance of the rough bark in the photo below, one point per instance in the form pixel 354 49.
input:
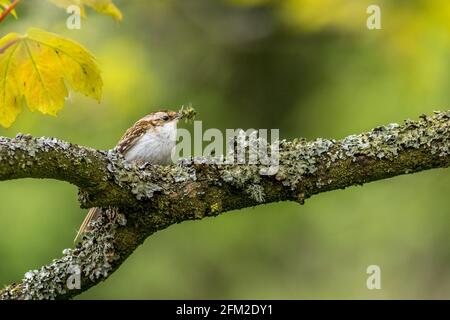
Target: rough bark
pixel 139 201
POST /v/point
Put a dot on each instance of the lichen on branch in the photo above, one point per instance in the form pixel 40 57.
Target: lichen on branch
pixel 140 200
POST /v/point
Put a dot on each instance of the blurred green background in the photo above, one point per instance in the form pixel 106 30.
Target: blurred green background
pixel 310 68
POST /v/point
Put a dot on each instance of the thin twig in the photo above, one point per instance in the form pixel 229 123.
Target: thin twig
pixel 9 9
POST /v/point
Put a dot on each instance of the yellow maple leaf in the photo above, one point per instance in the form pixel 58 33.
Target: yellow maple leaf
pixel 101 6
pixel 37 67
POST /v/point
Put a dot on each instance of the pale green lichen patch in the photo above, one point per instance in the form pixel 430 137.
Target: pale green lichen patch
pixel 92 259
pixel 386 142
pixel 246 178
pixel 144 180
pixel 35 154
pixel 300 160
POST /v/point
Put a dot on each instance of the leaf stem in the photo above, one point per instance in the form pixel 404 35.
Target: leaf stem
pixel 9 9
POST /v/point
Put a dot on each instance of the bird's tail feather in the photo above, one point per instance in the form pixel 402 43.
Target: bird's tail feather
pixel 92 215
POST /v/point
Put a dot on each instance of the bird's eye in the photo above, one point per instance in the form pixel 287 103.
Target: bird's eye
pixel 165 118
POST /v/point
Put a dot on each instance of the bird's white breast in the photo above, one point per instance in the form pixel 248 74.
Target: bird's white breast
pixel 155 146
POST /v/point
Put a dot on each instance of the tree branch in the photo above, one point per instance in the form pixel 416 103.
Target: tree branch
pixel 139 201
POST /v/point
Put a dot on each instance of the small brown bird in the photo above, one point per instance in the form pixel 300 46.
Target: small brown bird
pixel 151 139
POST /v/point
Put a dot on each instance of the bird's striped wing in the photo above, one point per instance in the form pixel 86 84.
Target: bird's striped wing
pixel 132 135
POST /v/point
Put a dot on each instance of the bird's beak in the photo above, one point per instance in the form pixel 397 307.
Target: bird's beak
pixel 179 116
